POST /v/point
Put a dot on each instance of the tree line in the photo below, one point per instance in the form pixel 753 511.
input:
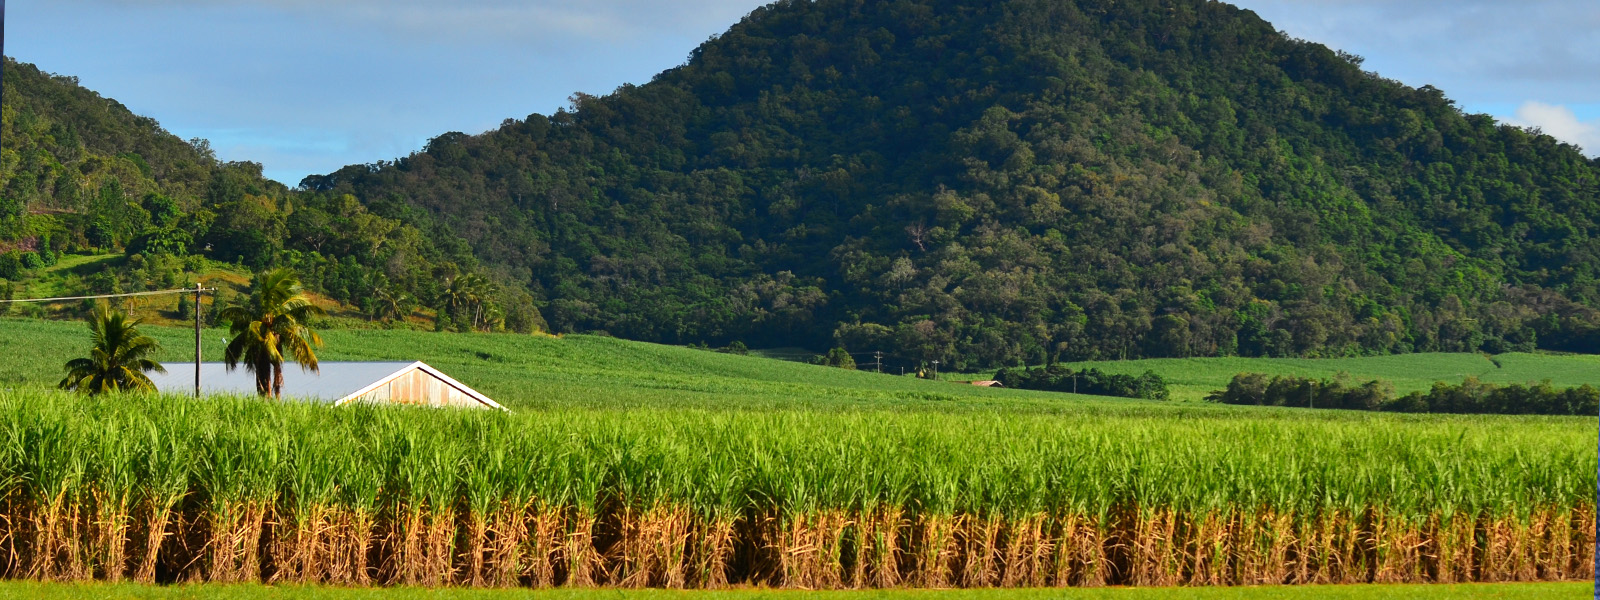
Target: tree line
pixel 1469 397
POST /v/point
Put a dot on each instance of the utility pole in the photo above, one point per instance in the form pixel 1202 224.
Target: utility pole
pixel 877 357
pixel 197 312
pixel 935 369
pixel 198 289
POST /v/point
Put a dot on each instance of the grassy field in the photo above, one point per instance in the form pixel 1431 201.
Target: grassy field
pixel 533 371
pixel 1528 591
pixel 594 371
pixel 1193 378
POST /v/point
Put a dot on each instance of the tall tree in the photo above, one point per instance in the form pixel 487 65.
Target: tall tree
pixel 270 325
pixel 118 360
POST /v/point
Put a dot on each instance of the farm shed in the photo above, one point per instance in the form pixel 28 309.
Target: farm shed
pixel 990 383
pixel 338 383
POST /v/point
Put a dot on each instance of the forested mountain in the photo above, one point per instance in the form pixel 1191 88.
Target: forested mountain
pixel 992 182
pixel 80 173
pixel 981 183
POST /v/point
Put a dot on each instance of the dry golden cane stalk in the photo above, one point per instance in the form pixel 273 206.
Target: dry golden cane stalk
pixel 981 548
pixel 477 545
pixel 1347 562
pixel 1027 553
pixel 1080 554
pixel 1043 550
pixel 830 558
pixel 321 539
pixel 936 549
pixel 290 548
pixel 235 543
pixel 1155 549
pixel 1191 535
pixel 1582 543
pixel 1529 534
pixel 1210 561
pixel 408 547
pixel 1451 544
pixel 43 519
pixel 359 541
pixel 1381 547
pixel 221 547
pixel 1252 535
pixel 578 548
pixel 865 536
pixel 793 543
pixel 714 548
pixel 674 548
pixel 1496 558
pixel 544 545
pixel 1279 529
pixel 1404 546
pixel 1555 555
pixel 158 516
pixel 10 514
pixel 809 549
pixel 509 535
pixel 629 553
pixel 439 553
pixel 112 524
pixel 882 549
pixel 1335 547
pixel 653 547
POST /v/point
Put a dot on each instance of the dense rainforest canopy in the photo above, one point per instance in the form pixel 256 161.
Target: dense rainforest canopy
pixel 979 182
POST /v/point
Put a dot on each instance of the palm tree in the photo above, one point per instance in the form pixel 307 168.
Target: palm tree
pixel 272 324
pixel 119 359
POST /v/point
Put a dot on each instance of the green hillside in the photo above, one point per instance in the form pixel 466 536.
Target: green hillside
pixel 990 183
pixel 130 207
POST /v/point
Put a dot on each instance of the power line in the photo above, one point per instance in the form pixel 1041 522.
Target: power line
pixel 127 295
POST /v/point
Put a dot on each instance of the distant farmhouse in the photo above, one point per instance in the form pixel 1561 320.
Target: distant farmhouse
pixel 338 383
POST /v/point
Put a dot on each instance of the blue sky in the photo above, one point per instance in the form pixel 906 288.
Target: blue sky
pixel 306 87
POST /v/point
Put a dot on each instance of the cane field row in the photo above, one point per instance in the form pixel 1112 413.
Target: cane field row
pixel 627 465
pixel 238 490
pixel 1477 591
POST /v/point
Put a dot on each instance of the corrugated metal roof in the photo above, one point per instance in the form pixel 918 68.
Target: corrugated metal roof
pixel 335 382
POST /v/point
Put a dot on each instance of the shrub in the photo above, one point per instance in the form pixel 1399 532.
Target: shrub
pixel 837 357
pixel 1057 378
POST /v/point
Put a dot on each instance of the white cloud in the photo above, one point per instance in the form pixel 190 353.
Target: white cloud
pixel 1560 123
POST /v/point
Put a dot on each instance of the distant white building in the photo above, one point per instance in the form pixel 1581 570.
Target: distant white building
pixel 337 383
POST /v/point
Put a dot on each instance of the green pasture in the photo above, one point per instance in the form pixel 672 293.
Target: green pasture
pixel 1193 378
pixel 1506 591
pixel 543 371
pixel 592 371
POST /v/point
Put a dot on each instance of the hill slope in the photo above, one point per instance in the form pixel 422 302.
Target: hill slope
pixel 82 174
pixel 990 182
